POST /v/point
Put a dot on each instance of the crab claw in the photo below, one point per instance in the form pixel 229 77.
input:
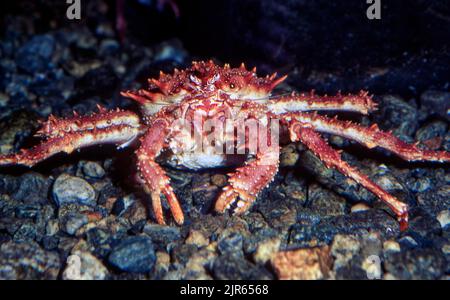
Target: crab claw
pixel 229 196
pixel 174 205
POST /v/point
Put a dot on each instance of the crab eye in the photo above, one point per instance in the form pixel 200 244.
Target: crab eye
pixel 232 85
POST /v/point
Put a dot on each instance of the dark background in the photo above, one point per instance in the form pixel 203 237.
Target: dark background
pixel 406 51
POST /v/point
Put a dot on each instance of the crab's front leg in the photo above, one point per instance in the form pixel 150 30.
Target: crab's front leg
pixel 248 181
pixel 153 176
pixel 67 135
pixel 310 138
pixel 360 103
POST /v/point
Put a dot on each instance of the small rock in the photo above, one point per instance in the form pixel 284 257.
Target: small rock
pixel 391 246
pixel 444 218
pixel 231 244
pixel 92 169
pixel 82 265
pixel 197 238
pixel 52 227
pixel 372 266
pixel 70 189
pixel 74 221
pixel 266 250
pixel 122 204
pixel 231 267
pixel 162 234
pixel 162 261
pixel 27 261
pixel 408 242
pixel 219 180
pixel 302 264
pixel 134 254
pixel 425 264
pixel 343 248
pixel 288 156
pixel 35 55
pixel 359 207
pixel 437 102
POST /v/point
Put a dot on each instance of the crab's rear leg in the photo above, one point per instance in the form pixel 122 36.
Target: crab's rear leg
pixel 153 176
pixel 73 136
pixel 361 103
pixel 248 181
pixel 306 134
pixel 370 137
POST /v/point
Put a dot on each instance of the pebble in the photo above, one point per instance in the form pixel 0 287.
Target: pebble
pixel 391 246
pixel 74 221
pixel 82 265
pixel 266 250
pixel 35 55
pixel 288 156
pixel 343 248
pixel 359 207
pixel 231 244
pixel 197 238
pixel 219 180
pixel 69 189
pixel 133 254
pixel 162 234
pixel 444 218
pixel 92 169
pixel 232 267
pixel 302 264
pixel 27 261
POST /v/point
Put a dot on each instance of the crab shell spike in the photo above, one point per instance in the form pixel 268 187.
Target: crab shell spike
pixel 100 108
pixel 242 67
pixel 278 81
pixel 374 127
pixel 162 86
pixel 272 77
pixel 75 114
pixel 254 70
pixel 135 97
pixel 147 94
pixel 226 66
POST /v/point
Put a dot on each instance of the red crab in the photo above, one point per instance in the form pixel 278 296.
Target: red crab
pixel 230 96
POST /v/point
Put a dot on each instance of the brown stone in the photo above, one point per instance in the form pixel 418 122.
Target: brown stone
pixel 302 264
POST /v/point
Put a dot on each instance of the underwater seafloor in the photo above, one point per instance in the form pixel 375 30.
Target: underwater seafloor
pixel 87 206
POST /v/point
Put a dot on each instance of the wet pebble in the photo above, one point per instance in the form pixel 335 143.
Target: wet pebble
pixel 162 235
pixel 82 265
pixel 74 221
pixel 69 189
pixel 444 218
pixel 27 261
pixel 231 267
pixel 35 55
pixel 92 169
pixel 133 254
pixel 302 264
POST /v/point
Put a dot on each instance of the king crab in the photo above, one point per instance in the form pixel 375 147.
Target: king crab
pixel 207 91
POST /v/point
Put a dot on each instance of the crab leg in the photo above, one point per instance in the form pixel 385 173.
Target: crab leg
pixel 54 127
pixel 153 176
pixel 361 103
pixel 248 181
pixel 332 159
pixel 370 137
pixel 70 142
